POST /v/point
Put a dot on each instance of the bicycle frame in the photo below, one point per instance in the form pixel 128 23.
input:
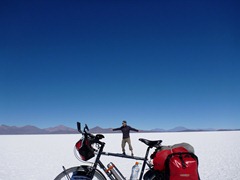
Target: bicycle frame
pixel 102 166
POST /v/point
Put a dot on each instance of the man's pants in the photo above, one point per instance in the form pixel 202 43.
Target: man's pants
pixel 124 141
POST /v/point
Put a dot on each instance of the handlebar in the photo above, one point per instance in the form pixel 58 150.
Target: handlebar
pixel 87 134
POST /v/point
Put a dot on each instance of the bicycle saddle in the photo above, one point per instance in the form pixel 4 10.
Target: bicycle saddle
pixel 151 143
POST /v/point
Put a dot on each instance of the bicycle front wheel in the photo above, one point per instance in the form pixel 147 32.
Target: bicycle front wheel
pixel 81 171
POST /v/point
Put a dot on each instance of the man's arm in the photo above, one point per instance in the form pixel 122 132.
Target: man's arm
pixel 133 129
pixel 116 129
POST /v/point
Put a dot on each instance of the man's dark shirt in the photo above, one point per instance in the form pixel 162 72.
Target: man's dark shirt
pixel 125 130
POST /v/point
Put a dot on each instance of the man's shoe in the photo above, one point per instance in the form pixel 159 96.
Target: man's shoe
pixel 124 153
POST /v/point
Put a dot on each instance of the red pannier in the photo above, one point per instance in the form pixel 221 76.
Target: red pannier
pixel 181 166
pixel 159 157
pixel 177 162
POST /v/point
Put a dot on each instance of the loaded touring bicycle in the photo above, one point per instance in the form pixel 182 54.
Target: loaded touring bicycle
pixel 177 162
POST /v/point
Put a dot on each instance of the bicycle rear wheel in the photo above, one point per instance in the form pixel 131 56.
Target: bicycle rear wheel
pixel 82 171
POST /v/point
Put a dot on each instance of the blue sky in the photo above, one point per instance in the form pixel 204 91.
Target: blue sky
pixel 157 64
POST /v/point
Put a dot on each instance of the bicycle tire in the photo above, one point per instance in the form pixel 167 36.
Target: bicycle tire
pixel 67 173
pixel 153 175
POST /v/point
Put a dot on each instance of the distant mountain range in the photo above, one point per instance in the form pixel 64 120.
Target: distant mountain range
pixel 35 130
pixel 14 130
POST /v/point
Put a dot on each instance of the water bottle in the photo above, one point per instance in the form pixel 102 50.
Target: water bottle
pixel 135 171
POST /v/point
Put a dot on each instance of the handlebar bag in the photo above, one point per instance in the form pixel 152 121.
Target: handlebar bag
pixel 85 149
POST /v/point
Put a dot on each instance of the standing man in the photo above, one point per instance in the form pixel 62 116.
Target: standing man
pixel 126 136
